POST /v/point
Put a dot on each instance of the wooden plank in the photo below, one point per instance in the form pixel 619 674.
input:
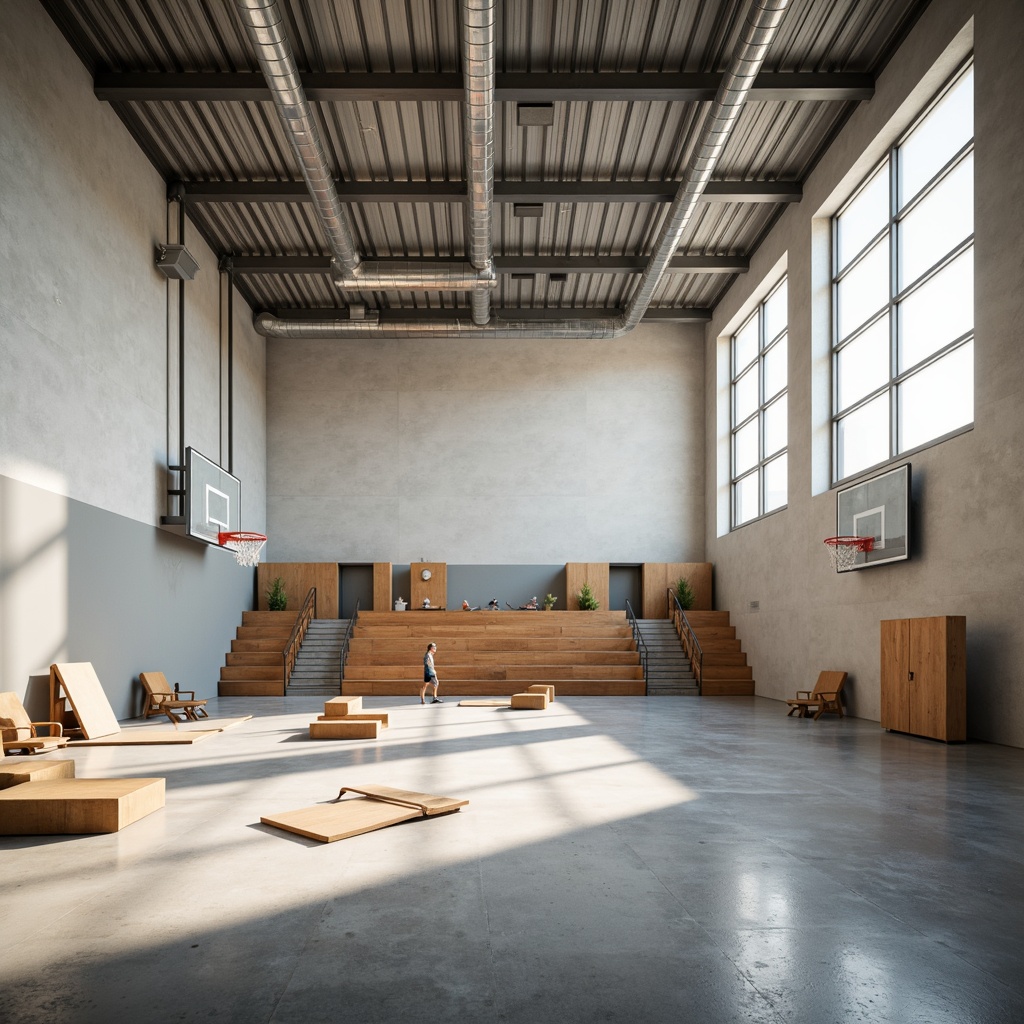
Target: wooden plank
pixel 426 803
pixel 77 806
pixel 78 683
pixel 267 673
pixel 15 772
pixel 344 729
pixel 539 673
pixel 149 736
pixel 369 646
pixel 453 655
pixel 250 688
pixel 725 672
pixel 298 577
pixel 369 716
pixel 381 586
pixel 487 688
pixel 330 822
pixel 499 702
pixel 726 688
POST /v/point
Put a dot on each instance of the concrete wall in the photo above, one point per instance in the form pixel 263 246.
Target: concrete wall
pixel 967 490
pixel 88 348
pixel 477 452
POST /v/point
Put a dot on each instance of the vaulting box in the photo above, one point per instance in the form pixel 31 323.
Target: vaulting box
pixel 339 707
pixel 14 772
pixel 344 729
pixel 532 701
pixel 77 806
pixel 548 688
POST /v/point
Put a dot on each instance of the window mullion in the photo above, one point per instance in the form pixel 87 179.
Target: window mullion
pixel 894 279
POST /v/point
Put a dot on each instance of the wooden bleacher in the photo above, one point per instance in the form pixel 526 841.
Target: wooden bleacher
pixel 254 667
pixel 494 653
pixel 725 672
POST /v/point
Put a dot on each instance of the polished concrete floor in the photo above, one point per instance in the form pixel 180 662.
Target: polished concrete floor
pixel 621 859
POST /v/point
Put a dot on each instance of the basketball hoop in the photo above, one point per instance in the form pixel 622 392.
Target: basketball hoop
pixel 843 551
pixel 246 546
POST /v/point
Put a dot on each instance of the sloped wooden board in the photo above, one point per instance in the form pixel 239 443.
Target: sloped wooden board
pixel 83 689
pixel 376 807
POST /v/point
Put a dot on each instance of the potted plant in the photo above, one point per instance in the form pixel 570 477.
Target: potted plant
pixel 549 602
pixel 586 600
pixel 684 594
pixel 277 599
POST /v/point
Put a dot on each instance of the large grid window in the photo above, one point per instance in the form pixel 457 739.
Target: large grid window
pixel 759 410
pixel 903 292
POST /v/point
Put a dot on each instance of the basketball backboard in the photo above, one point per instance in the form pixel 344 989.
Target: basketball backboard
pixel 213 498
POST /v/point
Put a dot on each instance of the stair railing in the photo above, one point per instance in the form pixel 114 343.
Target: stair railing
pixel 687 637
pixel 291 651
pixel 638 639
pixel 344 644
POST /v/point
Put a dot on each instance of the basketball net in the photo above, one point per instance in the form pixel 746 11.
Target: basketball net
pixel 245 546
pixel 843 551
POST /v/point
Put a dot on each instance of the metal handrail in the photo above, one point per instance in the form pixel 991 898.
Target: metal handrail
pixel 688 638
pixel 641 645
pixel 291 650
pixel 344 643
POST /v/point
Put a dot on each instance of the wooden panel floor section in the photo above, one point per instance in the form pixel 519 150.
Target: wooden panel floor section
pixel 493 654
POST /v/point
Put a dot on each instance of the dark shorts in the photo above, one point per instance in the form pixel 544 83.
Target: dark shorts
pixel 428 678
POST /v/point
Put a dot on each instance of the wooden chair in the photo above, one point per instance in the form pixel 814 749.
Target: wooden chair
pixel 825 697
pixel 21 733
pixel 162 700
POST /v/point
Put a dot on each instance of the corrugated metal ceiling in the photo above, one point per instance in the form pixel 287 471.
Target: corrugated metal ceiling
pixel 612 138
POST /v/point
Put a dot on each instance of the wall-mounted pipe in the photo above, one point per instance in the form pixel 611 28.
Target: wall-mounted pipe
pixel 478 135
pixel 761 23
pixel 263 24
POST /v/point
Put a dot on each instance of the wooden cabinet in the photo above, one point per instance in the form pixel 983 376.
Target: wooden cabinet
pixel 924 676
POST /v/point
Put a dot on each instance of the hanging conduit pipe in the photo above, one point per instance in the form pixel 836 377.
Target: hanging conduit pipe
pixel 263 24
pixel 761 23
pixel 478 133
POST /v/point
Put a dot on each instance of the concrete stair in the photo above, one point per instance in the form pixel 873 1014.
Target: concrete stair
pixel 668 668
pixel 317 670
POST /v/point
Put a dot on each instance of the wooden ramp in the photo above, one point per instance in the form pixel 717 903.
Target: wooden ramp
pixel 77 701
pixel 373 808
pixel 491 654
